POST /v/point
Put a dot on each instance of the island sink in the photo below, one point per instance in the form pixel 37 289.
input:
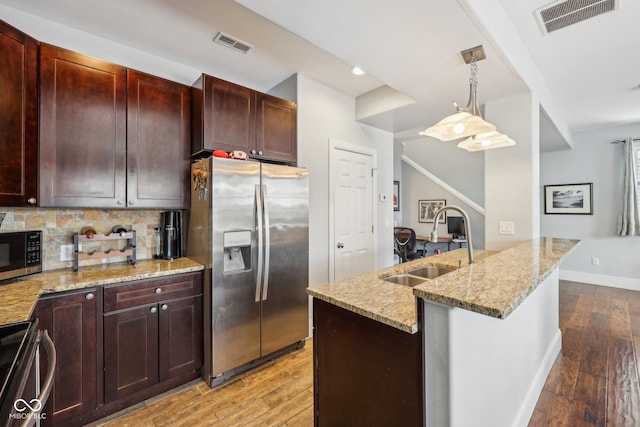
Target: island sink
pixel 405 279
pixel 417 276
pixel 431 271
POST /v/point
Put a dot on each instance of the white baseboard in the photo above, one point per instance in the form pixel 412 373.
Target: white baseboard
pixel 601 279
pixel 529 405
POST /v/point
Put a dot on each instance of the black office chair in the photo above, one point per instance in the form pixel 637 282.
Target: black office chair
pixel 405 244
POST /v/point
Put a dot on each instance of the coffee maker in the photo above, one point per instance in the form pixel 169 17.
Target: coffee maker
pixel 171 234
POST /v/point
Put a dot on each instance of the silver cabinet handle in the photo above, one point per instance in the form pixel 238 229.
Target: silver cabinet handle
pixel 89 296
pixel 31 200
pixel 119 202
pixel 260 152
pixel 340 245
pixel 164 306
pixel 253 151
pixel 154 309
pixel 158 290
pixel 132 202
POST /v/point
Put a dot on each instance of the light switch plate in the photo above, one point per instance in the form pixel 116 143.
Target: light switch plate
pixel 507 227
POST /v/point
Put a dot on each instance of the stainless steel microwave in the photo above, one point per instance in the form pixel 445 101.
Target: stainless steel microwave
pixel 20 254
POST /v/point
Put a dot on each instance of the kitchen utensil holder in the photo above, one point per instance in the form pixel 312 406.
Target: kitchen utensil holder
pixel 129 251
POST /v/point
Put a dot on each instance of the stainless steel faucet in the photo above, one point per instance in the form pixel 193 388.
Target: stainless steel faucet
pixel 467 228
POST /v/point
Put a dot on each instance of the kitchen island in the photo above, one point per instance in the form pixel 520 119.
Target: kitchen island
pixel 471 347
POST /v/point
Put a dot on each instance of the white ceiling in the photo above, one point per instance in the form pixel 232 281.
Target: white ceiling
pixel 411 46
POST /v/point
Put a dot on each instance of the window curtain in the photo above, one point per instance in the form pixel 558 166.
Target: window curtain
pixel 629 221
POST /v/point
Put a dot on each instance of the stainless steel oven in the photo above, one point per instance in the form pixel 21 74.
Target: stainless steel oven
pixel 22 393
pixel 20 254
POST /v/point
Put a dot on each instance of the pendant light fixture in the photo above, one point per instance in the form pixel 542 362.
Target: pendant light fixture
pixel 486 141
pixel 467 122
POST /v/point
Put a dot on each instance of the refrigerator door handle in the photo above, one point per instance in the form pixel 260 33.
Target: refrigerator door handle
pixel 267 242
pixel 259 218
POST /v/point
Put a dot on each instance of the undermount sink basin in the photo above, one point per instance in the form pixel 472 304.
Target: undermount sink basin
pixel 404 279
pixel 431 271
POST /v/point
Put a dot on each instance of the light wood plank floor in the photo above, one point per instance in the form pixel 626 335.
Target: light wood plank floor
pixel 594 380
pixel 279 393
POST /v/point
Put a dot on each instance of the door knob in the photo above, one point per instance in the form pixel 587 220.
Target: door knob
pixel 340 245
pixel 153 309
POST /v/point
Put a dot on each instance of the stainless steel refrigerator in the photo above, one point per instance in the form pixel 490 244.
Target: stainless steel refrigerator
pixel 249 226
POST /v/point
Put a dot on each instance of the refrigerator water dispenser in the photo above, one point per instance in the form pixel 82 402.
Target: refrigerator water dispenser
pixel 237 249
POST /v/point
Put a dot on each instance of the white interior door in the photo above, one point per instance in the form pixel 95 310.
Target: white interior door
pixel 353 203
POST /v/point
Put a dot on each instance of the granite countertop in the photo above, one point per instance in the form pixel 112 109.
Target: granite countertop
pixel 494 285
pixel 18 298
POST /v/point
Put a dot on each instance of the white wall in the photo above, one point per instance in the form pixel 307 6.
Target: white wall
pixel 325 113
pixel 461 170
pixel 419 187
pixel 511 173
pixel 594 159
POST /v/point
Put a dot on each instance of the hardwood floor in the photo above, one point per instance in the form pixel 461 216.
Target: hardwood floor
pixel 594 380
pixel 279 393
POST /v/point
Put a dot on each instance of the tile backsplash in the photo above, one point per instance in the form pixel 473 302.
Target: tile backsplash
pixel 59 225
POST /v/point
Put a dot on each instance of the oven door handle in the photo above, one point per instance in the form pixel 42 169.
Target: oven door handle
pixel 45 390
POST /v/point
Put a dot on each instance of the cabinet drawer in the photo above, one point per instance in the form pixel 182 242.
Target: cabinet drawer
pixel 131 294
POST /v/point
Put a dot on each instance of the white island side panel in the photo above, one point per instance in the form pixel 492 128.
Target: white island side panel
pixel 484 371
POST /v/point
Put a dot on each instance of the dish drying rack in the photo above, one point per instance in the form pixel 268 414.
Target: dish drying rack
pixel 129 251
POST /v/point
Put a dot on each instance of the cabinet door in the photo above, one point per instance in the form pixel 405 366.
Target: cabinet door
pixel 276 137
pixel 71 320
pixel 158 142
pixel 130 351
pixel 224 115
pixel 83 106
pixel 18 117
pixel 180 342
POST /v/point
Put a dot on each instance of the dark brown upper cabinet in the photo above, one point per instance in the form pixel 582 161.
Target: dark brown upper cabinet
pixel 83 106
pixel 18 118
pixel 158 142
pixel 111 137
pixel 276 120
pixel 229 117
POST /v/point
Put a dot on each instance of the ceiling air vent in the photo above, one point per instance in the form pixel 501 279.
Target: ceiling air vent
pixel 232 42
pixel 563 13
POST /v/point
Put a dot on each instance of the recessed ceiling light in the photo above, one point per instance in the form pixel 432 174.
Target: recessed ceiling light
pixel 357 71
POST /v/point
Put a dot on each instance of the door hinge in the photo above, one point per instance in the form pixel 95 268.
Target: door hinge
pixel 372 229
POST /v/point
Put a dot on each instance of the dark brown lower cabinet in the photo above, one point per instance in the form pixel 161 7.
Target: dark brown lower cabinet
pixel 120 344
pixel 130 351
pixel 365 373
pixel 180 349
pixel 150 344
pixel 72 321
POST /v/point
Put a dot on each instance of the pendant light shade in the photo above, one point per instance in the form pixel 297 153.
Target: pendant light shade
pixel 486 141
pixel 468 122
pixel 458 125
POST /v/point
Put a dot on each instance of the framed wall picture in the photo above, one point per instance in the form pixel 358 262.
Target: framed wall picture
pixel 574 199
pixel 427 210
pixel 396 195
